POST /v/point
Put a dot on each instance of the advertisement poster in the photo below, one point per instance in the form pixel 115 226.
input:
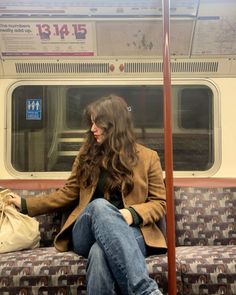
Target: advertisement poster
pixel 215 32
pixel 141 38
pixel 47 38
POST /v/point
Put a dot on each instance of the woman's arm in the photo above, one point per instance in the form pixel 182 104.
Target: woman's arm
pixel 63 197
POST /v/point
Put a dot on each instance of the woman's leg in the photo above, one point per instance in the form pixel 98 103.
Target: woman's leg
pixel 100 280
pixel 99 276
pixel 103 223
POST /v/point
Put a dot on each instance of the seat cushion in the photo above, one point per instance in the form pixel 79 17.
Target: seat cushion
pixel 208 269
pixel 42 271
pixel 47 271
pixel 157 266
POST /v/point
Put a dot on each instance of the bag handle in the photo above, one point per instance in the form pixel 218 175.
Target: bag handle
pixel 3 203
pixel 2 209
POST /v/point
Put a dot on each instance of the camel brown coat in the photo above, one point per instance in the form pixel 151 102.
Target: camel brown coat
pixel 148 198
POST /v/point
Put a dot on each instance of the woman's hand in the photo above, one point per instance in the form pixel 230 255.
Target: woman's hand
pixel 127 216
pixel 14 199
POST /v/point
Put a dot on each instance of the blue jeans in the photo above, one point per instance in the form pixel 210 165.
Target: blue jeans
pixel 115 252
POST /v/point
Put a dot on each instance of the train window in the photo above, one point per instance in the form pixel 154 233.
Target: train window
pixel 47 123
pixel 195 117
pixel 195 108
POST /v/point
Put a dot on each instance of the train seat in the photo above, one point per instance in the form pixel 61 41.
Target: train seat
pixel 205 225
pixel 205 219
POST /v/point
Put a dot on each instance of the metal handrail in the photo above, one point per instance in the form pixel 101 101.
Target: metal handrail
pixel 172 290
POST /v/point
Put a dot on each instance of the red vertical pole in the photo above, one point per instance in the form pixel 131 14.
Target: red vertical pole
pixel 168 152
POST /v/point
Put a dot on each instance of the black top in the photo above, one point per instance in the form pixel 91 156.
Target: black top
pixel 115 197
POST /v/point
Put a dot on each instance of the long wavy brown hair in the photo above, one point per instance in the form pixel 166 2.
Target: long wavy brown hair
pixel 117 153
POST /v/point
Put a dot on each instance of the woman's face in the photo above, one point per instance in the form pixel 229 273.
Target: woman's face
pixel 97 132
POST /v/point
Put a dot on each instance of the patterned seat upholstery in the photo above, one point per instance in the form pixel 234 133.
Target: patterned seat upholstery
pixel 205 252
pixel 208 269
pixel 42 271
pixel 206 239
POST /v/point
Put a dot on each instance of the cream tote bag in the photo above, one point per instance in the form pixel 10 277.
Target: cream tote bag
pixel 17 231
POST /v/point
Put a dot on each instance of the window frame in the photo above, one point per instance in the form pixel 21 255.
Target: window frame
pixel 116 82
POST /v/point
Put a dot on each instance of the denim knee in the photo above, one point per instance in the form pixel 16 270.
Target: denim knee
pixel 99 202
pixel 99 205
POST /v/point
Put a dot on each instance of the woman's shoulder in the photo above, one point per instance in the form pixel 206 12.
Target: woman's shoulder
pixel 141 149
pixel 146 157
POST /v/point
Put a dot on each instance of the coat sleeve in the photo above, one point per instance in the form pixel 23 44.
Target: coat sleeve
pixel 66 196
pixel 154 205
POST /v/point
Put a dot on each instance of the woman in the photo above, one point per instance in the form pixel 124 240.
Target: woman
pixel 117 194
